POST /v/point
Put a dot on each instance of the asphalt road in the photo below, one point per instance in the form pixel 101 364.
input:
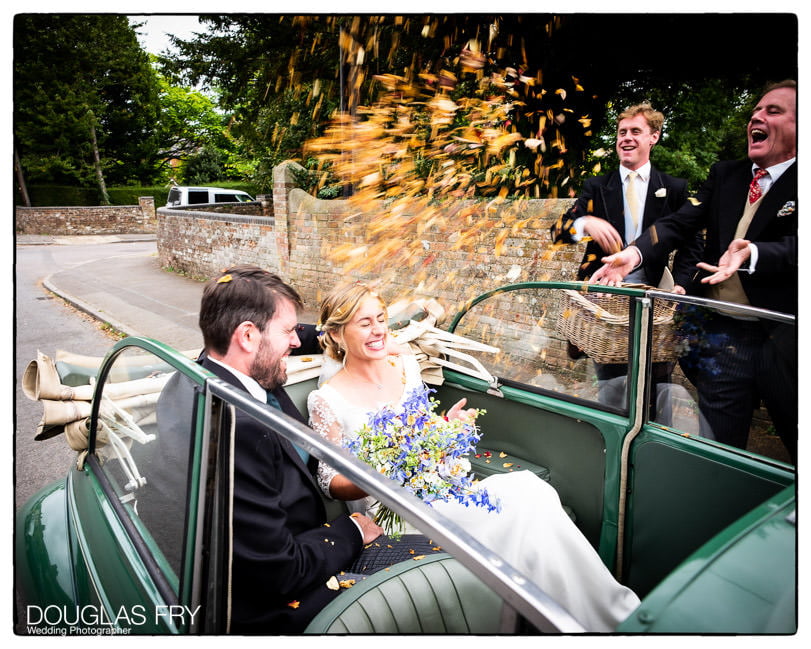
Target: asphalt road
pixel 45 322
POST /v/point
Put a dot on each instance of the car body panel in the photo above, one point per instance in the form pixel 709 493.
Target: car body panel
pixel 744 566
pixel 684 491
pixel 43 549
pixel 674 516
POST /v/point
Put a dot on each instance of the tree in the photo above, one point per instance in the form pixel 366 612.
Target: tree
pixel 72 72
pixel 282 75
pixel 189 124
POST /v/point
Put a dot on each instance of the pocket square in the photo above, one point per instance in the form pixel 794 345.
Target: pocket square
pixel 661 192
pixel 787 209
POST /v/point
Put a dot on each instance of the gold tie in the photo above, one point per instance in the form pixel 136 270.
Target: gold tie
pixel 633 204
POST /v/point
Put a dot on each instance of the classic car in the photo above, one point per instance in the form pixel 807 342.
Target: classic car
pixel 135 538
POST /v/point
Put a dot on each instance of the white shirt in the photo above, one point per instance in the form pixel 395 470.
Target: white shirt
pixel 641 185
pixel 254 389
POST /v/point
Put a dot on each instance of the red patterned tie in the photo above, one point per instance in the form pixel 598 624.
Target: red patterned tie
pixel 755 192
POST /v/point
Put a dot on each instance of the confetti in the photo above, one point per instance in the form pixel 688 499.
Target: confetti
pixel 428 153
pixel 294 604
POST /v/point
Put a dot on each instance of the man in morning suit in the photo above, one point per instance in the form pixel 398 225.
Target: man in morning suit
pixel 749 209
pixel 284 549
pixel 613 210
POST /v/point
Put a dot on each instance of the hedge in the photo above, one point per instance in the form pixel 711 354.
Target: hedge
pixel 58 196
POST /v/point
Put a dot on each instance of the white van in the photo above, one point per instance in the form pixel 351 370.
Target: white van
pixel 180 196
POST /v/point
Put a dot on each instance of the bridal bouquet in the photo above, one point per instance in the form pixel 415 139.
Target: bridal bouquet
pixel 423 451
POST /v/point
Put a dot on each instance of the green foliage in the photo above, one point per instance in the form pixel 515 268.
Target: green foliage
pixel 60 195
pixel 71 71
pixel 318 181
pixel 207 167
pixel 57 195
pixel 283 75
pixel 279 78
pixel 192 129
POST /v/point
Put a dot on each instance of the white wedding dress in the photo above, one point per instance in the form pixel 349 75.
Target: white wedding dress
pixel 532 532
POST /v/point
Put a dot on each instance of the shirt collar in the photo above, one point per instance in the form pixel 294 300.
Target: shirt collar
pixel 251 386
pixel 775 171
pixel 643 172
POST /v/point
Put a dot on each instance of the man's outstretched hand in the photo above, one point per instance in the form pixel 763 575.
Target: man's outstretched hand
pixel 615 267
pixel 734 257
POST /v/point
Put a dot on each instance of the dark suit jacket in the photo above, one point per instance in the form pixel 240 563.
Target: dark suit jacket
pixel 718 207
pixel 283 552
pixel 602 197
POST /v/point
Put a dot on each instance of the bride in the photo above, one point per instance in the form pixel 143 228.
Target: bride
pixel 531 531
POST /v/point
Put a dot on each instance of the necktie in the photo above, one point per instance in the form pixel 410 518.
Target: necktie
pixel 633 204
pixel 274 402
pixel 755 191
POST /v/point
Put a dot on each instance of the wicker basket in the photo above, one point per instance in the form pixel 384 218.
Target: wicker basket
pixel 597 323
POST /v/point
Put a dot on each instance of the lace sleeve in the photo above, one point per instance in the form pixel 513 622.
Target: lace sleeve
pixel 325 423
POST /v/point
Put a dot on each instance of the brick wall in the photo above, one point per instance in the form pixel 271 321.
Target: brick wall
pixel 293 241
pixel 262 206
pixel 110 219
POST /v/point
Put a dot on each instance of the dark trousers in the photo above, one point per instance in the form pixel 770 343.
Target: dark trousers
pixel 734 364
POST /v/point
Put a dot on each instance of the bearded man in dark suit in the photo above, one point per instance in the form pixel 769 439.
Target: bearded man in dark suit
pixel 749 210
pixel 284 549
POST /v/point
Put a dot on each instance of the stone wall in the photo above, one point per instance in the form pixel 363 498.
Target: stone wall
pixel 109 219
pixel 292 243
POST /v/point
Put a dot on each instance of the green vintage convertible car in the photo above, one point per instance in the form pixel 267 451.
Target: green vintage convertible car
pixel 135 539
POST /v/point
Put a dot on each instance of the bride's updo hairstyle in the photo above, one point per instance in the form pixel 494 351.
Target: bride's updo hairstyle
pixel 337 310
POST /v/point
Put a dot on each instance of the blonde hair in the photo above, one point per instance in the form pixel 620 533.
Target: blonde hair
pixel 337 310
pixel 654 118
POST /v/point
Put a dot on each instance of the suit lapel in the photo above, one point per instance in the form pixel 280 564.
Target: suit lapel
pixel 285 444
pixel 654 206
pixel 733 199
pixel 613 207
pixel 774 199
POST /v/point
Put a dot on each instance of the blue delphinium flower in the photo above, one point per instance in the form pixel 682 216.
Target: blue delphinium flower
pixel 423 451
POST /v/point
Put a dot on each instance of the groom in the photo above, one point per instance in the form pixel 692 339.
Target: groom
pixel 284 549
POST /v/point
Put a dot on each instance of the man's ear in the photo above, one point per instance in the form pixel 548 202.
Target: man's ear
pixel 246 337
pixel 655 135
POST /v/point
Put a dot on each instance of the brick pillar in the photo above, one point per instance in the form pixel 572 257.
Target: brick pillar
pixel 148 214
pixel 283 183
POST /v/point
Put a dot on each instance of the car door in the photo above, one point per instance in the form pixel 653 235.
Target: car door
pixel 137 502
pixel 685 486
